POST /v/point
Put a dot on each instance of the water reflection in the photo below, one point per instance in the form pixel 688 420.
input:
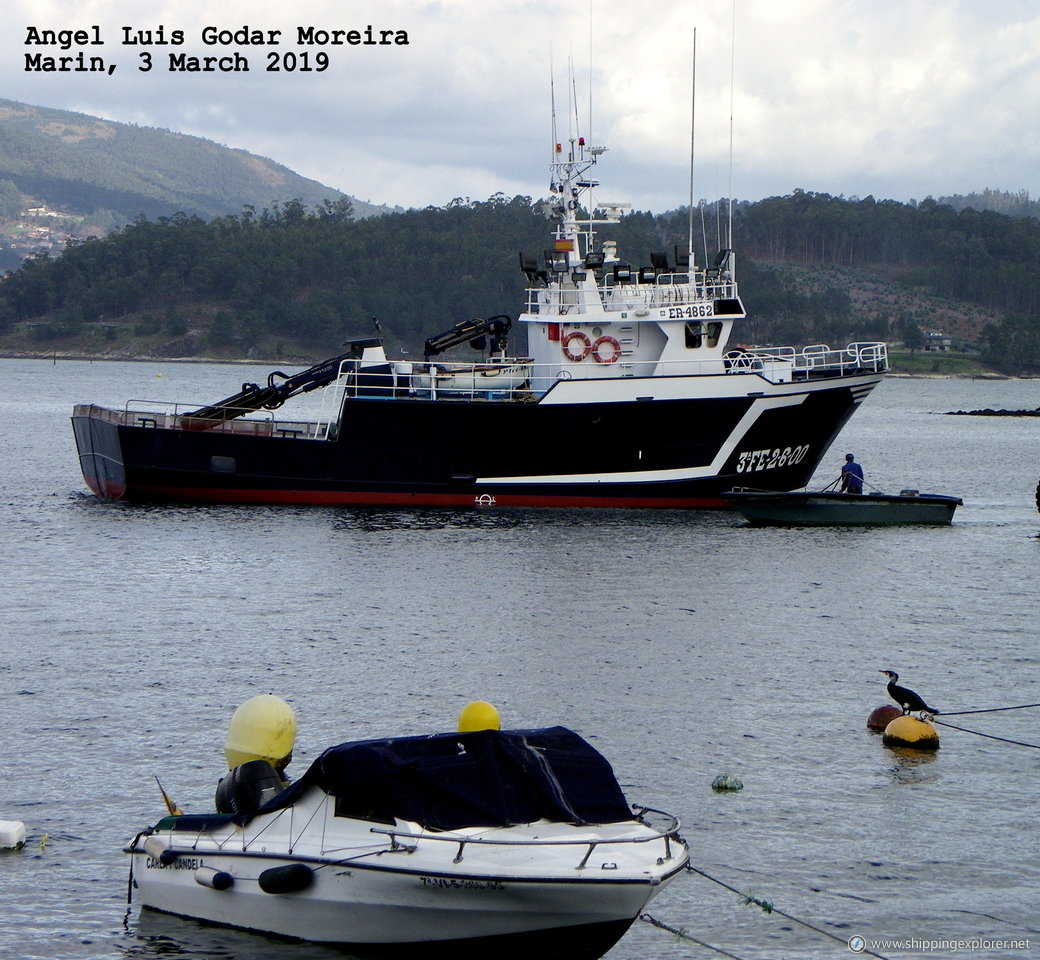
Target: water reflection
pixel 155 935
pixel 912 766
pixel 377 519
pixel 405 519
pixel 380 520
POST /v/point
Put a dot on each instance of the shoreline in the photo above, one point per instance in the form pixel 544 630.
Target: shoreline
pixel 94 358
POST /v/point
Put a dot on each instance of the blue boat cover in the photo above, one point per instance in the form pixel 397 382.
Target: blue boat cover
pixel 489 778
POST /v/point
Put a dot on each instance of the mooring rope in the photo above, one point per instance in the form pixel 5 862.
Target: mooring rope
pixel 683 935
pixel 961 713
pixel 989 736
pixel 768 907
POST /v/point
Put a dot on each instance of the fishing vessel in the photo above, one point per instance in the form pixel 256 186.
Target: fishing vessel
pixel 833 508
pixel 632 391
pixel 484 843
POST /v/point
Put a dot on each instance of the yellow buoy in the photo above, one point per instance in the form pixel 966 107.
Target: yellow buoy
pixel 262 728
pixel 479 715
pixel 907 731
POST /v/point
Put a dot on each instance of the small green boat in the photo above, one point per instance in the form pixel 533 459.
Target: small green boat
pixel 826 509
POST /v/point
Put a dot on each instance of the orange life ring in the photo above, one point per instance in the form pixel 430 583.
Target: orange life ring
pixel 615 350
pixel 586 345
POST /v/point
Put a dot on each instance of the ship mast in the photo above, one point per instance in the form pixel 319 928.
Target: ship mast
pixel 570 182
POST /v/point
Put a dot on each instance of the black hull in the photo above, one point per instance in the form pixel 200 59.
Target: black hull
pixel 654 453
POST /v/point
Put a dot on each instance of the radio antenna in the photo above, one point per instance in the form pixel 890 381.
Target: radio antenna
pixel 552 104
pixel 732 69
pixel 693 137
pixel 592 82
pixel 574 97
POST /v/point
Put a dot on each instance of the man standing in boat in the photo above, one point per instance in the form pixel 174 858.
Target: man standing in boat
pixel 851 475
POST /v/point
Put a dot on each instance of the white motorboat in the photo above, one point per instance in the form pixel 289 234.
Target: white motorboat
pixel 520 842
pixel 486 380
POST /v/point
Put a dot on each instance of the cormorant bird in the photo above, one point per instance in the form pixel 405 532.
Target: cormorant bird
pixel 907 699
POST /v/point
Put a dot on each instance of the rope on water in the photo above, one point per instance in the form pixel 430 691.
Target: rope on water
pixel 961 713
pixel 768 907
pixel 988 736
pixel 683 935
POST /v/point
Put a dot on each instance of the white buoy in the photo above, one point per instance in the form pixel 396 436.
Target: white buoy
pixel 12 834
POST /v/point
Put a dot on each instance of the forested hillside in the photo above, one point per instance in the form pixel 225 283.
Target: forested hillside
pixel 294 282
pixel 1015 204
pixel 80 175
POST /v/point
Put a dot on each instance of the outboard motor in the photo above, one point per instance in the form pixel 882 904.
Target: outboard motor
pixel 247 788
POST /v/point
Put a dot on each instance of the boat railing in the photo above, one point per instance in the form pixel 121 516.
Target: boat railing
pixel 871 354
pixel 169 414
pixel 818 357
pixel 649 291
pixel 669 834
pixel 522 379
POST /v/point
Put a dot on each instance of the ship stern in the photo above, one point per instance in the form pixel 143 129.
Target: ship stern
pixel 100 450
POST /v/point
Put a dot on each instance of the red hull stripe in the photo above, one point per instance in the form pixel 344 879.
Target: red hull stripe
pixel 106 488
pixel 379 498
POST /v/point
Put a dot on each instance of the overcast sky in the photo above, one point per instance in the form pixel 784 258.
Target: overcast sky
pixel 897 99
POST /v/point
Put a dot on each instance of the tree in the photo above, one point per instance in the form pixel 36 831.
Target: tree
pixel 911 335
pixel 1012 345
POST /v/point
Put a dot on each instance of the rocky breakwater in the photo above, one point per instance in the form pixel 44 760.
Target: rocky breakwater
pixel 989 412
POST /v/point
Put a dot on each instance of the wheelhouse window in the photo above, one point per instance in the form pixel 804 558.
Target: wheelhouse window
pixel 694 334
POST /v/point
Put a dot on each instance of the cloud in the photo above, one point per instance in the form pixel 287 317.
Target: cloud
pixel 894 99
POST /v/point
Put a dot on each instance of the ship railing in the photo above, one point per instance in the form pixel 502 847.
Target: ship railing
pixel 698 285
pixel 856 357
pixel 701 287
pixel 520 379
pixel 660 290
pixel 669 834
pixel 872 354
pixel 491 379
pixel 240 421
pixel 817 357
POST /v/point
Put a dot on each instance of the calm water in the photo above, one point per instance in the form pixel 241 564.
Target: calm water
pixel 683 645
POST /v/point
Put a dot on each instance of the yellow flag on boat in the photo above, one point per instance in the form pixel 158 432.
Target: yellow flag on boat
pixel 174 810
